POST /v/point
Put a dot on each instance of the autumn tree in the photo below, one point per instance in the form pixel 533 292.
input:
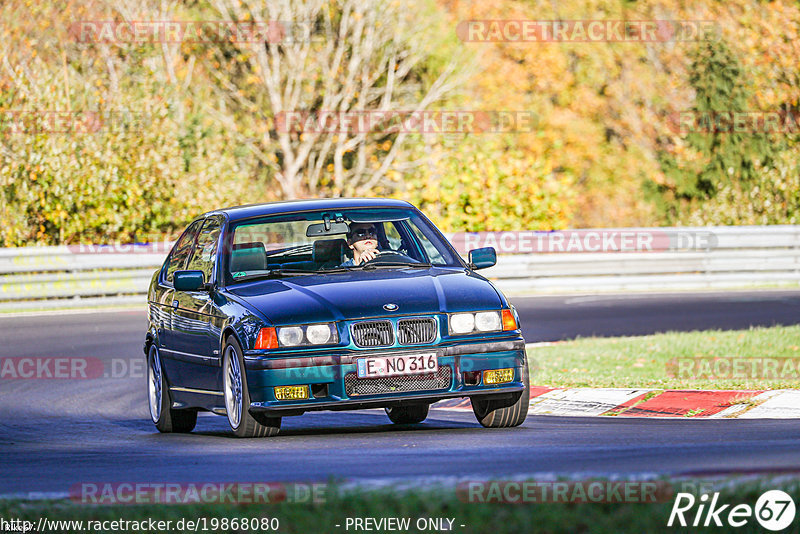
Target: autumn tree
pixel 720 156
pixel 346 56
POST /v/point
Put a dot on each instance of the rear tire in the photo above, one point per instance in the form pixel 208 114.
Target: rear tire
pixel 504 413
pixel 237 397
pixel 163 416
pixel 408 415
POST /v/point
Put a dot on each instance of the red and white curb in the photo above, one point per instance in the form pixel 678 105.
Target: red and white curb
pixel 637 402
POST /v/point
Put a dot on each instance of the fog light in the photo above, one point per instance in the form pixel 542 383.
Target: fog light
pixel 498 376
pixel 291 392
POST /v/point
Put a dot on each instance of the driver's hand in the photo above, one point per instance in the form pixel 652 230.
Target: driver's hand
pixel 369 255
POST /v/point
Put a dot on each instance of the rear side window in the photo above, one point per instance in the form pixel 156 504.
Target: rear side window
pixel 177 258
pixel 205 252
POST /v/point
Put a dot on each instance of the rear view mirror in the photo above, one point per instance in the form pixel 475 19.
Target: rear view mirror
pixel 481 258
pixel 318 229
pixel 189 281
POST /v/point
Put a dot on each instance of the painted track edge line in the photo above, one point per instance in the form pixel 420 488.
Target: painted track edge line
pixel 578 402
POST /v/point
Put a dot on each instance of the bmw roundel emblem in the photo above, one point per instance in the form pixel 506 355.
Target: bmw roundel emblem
pixel 390 306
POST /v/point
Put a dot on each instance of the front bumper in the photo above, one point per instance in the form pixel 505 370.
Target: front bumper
pixel 328 375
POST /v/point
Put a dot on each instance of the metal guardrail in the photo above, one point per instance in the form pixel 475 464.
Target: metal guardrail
pixel 740 256
pixel 57 277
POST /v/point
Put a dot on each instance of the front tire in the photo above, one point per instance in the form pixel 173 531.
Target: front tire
pixel 504 413
pixel 408 415
pixel 163 416
pixel 237 397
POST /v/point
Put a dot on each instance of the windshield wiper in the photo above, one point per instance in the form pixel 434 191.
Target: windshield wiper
pixel 334 270
pixel 371 266
pixel 274 273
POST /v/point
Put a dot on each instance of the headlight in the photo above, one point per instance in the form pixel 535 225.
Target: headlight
pixel 483 321
pixel 462 323
pixel 488 321
pixel 304 335
pixel 318 334
pixel 290 336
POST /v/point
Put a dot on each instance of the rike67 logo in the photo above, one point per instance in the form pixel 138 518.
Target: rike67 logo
pixel 774 510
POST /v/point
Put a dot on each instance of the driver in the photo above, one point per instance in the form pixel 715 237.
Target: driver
pixel 362 240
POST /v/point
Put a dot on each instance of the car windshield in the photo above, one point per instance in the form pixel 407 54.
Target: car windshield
pixel 327 242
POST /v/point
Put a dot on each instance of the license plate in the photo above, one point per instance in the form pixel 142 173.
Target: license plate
pixel 410 364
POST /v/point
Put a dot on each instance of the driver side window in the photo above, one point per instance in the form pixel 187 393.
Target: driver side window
pixel 177 258
pixel 205 253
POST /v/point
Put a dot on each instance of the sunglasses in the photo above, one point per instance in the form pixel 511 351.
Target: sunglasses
pixel 364 232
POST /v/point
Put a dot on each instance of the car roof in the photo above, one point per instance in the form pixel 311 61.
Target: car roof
pixel 291 206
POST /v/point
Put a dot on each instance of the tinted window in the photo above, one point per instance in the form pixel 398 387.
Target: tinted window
pixel 181 250
pixel 205 252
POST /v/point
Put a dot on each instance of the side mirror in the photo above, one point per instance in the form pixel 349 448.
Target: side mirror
pixel 189 281
pixel 481 258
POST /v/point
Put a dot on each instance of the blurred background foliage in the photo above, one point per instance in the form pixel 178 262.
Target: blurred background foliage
pixel 190 127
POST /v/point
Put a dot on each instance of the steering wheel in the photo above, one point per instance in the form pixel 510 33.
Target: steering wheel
pixel 392 255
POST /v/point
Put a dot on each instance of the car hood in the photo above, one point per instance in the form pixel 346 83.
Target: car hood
pixel 359 294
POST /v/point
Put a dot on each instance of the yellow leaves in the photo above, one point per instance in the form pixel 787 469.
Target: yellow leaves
pixel 482 185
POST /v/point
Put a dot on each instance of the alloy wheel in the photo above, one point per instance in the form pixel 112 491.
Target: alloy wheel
pixel 154 392
pixel 233 387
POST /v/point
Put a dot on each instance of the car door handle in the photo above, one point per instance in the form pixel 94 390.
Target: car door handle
pixel 175 304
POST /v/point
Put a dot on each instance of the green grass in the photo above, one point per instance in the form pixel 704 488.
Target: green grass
pixel 648 361
pixel 611 518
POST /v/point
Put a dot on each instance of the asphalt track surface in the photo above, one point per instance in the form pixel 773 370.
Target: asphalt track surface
pixel 57 433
